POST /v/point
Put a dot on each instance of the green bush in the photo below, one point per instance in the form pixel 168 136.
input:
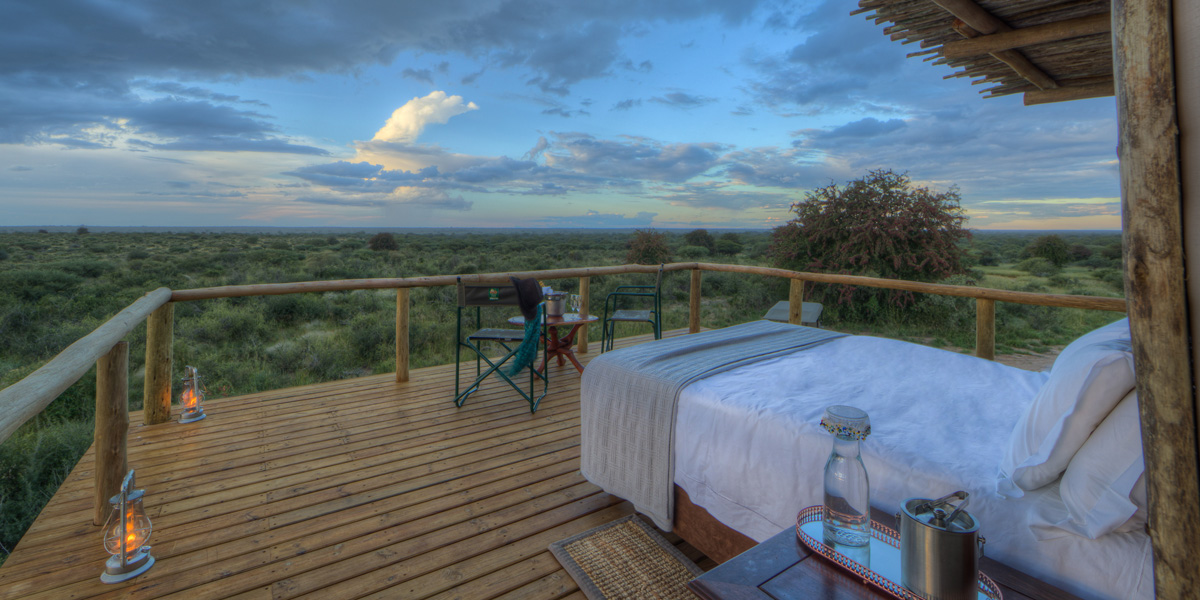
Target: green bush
pixel 729 244
pixel 1039 267
pixel 137 254
pixel 33 463
pixel 693 252
pixel 701 238
pixel 83 267
pixel 32 285
pixel 1052 248
pixel 648 247
pixel 383 241
pixel 292 308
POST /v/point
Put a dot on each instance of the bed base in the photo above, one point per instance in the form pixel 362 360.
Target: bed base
pixel 703 531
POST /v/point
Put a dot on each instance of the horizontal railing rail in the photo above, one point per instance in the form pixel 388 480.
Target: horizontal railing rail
pixel 26 398
pixel 105 347
pixel 965 291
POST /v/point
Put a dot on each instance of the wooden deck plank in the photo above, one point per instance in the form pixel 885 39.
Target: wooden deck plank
pixel 555 585
pixel 206 547
pixel 504 580
pixel 363 487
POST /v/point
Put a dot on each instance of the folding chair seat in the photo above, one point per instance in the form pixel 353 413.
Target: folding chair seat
pixel 648 295
pixel 510 342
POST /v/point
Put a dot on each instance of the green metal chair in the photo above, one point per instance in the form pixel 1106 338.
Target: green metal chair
pixel 646 295
pixel 511 341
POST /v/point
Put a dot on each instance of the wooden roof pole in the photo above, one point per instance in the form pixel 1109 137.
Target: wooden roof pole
pixel 1028 36
pixel 1151 199
pixel 1073 92
pixel 984 23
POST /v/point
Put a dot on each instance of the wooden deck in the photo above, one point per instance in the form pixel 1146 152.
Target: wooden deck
pixel 364 488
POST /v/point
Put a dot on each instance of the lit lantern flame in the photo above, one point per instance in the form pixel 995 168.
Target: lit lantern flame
pixel 127 531
pixel 192 396
pixel 128 534
pixel 189 399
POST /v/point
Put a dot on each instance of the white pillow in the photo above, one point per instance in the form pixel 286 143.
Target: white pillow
pixel 1103 477
pixel 1088 379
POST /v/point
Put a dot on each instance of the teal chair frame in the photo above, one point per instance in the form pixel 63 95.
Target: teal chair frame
pixel 480 296
pixel 623 295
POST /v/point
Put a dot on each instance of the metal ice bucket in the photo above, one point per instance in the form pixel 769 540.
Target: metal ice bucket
pixel 556 303
pixel 940 552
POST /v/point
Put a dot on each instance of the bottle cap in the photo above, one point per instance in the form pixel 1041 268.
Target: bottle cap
pixel 846 422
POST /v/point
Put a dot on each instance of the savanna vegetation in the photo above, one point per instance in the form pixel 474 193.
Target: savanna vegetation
pixel 57 287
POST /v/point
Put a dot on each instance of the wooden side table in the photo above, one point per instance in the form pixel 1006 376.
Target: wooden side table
pixel 782 568
pixel 561 346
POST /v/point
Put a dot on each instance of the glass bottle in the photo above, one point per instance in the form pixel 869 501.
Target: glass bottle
pixel 847 515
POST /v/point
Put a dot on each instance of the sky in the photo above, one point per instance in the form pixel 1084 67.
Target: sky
pixel 508 113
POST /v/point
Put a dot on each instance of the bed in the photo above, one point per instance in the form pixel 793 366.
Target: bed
pixel 748 452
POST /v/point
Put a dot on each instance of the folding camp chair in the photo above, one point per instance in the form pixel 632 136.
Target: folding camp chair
pixel 478 296
pixel 621 296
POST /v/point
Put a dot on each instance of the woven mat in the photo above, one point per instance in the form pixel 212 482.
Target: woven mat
pixel 626 559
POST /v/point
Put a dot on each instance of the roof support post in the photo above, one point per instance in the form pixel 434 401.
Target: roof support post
pixel 1151 198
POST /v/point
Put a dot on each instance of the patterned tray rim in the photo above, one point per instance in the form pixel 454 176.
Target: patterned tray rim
pixel 884 534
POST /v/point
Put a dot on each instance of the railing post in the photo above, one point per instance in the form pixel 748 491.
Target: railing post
pixel 112 427
pixel 694 303
pixel 402 349
pixel 985 328
pixel 584 289
pixel 156 391
pixel 796 302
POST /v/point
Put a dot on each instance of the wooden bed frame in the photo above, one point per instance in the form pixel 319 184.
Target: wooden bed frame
pixel 703 531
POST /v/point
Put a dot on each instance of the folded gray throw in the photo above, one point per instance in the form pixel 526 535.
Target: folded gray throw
pixel 629 398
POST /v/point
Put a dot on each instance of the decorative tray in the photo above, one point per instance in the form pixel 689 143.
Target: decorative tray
pixel 877 564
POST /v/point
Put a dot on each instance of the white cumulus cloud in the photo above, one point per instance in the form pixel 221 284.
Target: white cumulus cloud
pixel 408 121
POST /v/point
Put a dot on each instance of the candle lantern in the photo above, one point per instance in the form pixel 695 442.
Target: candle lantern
pixel 125 533
pixel 192 397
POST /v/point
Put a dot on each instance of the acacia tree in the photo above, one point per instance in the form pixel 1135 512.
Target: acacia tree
pixel 879 225
pixel 1052 248
pixel 701 238
pixel 383 241
pixel 648 247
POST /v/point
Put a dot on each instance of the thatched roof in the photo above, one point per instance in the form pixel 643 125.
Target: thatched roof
pixel 1050 50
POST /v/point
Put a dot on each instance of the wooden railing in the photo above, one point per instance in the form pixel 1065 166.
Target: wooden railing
pixel 104 346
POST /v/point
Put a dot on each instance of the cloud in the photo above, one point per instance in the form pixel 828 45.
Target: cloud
pixel 840 63
pixel 868 127
pixel 643 67
pixel 633 158
pixel 435 199
pixel 20 168
pixel 69 66
pixel 562 112
pixel 538 148
pixel 408 121
pixel 627 104
pixel 991 150
pixel 683 100
pixel 177 89
pixel 597 220
pixel 422 75
pixel 789 168
pixel 719 195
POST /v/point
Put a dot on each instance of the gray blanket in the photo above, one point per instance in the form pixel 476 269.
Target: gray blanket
pixel 629 397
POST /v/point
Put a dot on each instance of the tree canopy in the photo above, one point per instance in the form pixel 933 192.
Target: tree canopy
pixel 1052 248
pixel 880 225
pixel 648 247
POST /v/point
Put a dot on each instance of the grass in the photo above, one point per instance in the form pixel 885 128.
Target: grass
pixel 56 288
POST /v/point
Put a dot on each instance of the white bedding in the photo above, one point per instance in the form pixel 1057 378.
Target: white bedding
pixel 940 423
